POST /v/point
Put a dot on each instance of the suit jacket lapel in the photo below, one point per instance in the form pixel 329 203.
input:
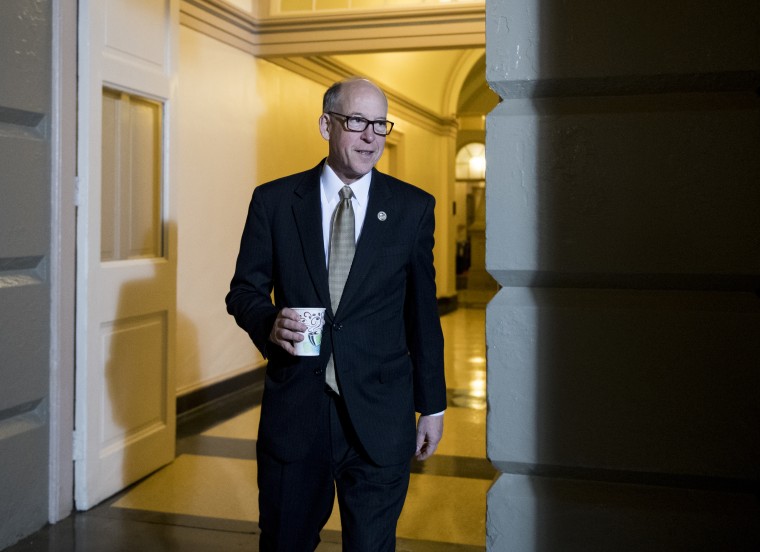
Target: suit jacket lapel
pixel 371 237
pixel 307 212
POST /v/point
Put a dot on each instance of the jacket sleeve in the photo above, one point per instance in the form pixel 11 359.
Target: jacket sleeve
pixel 249 299
pixel 423 326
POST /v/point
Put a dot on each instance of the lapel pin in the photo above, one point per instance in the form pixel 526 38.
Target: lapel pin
pixel 381 216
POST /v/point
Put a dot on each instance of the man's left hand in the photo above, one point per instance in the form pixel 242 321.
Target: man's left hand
pixel 429 433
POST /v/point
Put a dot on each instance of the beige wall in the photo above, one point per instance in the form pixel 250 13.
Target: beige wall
pixel 425 160
pixel 244 121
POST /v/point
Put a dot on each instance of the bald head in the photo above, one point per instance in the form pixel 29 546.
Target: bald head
pixel 334 95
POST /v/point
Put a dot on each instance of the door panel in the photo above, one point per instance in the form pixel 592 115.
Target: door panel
pixel 126 280
pixel 131 198
pixel 135 353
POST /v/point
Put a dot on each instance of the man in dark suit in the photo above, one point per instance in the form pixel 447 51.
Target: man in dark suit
pixel 343 420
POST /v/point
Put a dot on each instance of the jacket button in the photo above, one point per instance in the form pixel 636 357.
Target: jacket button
pixel 318 371
pixel 338 327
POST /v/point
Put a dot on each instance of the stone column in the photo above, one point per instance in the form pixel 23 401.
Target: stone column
pixel 623 220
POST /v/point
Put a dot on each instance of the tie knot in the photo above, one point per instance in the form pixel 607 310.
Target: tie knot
pixel 346 192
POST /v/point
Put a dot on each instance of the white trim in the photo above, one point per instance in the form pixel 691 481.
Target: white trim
pixel 62 256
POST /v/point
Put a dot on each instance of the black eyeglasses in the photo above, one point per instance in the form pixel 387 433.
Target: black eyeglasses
pixel 360 124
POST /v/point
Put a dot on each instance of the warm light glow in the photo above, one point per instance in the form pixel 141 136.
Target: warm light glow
pixel 471 162
pixel 478 387
pixel 478 167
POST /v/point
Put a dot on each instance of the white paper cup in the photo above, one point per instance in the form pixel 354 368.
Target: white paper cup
pixel 314 318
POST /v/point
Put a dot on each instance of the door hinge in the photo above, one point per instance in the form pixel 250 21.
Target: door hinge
pixel 78 446
pixel 77 202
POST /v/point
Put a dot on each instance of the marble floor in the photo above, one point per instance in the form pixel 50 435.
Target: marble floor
pixel 206 499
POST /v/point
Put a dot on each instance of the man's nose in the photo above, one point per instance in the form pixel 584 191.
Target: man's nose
pixel 368 135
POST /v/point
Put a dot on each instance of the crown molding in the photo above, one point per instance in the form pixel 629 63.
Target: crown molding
pixel 326 71
pixel 441 26
pixel 303 44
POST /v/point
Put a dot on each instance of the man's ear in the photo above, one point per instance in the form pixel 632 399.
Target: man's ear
pixel 324 126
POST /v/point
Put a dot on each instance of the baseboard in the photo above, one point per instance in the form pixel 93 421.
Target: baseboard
pixel 447 304
pixel 209 405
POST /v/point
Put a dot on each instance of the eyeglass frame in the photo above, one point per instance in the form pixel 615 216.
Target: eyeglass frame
pixel 366 121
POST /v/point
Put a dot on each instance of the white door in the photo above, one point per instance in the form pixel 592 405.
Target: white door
pixel 126 245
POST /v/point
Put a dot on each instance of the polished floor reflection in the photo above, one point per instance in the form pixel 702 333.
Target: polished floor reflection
pixel 206 499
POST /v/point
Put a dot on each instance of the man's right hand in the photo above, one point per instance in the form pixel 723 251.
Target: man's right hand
pixel 285 330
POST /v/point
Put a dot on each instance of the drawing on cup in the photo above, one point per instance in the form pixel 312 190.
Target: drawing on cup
pixel 315 339
pixel 314 319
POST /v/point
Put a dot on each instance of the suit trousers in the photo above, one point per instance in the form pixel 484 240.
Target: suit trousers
pixel 296 498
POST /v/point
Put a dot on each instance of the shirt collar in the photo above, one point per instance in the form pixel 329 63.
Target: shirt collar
pixel 331 186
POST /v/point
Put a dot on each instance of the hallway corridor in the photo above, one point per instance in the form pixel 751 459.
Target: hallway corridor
pixel 207 500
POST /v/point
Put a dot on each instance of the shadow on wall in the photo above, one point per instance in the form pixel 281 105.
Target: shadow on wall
pixel 647 341
pixel 139 412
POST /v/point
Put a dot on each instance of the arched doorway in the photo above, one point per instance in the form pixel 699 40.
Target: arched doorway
pixel 475 287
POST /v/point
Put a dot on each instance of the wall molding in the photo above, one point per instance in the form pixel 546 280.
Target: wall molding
pixel 326 70
pixel 303 44
pixel 438 27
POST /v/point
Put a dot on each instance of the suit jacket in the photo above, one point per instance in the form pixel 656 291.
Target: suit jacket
pixel 385 336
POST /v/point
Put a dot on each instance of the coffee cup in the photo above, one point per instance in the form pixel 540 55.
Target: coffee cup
pixel 314 318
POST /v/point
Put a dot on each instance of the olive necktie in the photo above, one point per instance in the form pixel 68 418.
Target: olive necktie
pixel 342 247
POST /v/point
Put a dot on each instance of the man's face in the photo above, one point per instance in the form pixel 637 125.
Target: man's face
pixel 353 154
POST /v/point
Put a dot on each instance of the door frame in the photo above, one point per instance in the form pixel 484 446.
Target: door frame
pixel 62 273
